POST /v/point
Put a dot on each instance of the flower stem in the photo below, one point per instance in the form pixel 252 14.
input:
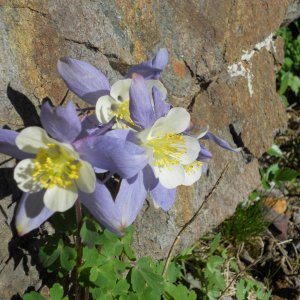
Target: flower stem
pixel 78 248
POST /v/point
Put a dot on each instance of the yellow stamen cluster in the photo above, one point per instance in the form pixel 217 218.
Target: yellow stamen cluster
pixel 121 112
pixel 167 149
pixel 54 166
pixel 191 167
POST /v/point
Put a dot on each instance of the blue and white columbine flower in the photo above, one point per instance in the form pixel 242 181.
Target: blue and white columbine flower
pixel 116 105
pixel 54 168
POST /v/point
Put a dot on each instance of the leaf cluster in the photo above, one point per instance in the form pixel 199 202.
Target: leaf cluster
pixel 108 268
pixel 288 76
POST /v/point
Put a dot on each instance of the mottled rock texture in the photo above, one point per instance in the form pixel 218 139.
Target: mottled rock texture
pixel 223 59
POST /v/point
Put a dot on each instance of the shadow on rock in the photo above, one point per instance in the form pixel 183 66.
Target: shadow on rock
pixel 24 107
pixel 7 184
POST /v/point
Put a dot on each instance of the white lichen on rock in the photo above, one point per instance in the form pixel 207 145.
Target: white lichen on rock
pixel 244 66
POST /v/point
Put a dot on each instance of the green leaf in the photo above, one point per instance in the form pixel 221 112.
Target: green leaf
pixel 101 294
pixel 121 288
pixel 173 272
pixel 104 276
pixel 111 244
pixel 179 292
pixel 286 174
pixel 91 257
pixel 149 294
pixel 214 261
pixel 33 296
pixel 143 275
pixel 275 151
pixel 234 266
pixel 56 292
pixel 49 253
pixel 284 83
pixel 130 296
pixel 240 290
pixel 294 83
pixel 68 258
pixel 89 233
pixel 137 281
pixel 215 244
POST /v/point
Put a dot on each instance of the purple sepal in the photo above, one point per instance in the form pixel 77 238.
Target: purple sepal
pixel 62 123
pixel 8 144
pixel 102 206
pixel 163 197
pixel 152 68
pixel 150 181
pixel 31 212
pixel 113 154
pixel 161 107
pixel 119 214
pixel 130 199
pixel 141 110
pixel 83 79
pixel 91 126
pixel 222 143
pixel 204 154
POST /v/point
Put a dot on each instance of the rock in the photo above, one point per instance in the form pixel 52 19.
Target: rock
pixel 222 60
pixel 293 13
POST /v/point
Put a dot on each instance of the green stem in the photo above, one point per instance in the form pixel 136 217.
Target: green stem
pixel 78 248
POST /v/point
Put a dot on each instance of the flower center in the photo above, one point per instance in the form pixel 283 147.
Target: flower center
pixel 121 112
pixel 54 166
pixel 167 149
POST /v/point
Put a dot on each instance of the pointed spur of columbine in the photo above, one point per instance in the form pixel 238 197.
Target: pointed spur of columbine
pixel 203 134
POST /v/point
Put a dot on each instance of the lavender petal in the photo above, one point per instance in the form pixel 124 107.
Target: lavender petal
pixel 141 110
pixel 83 79
pixel 222 143
pixel 61 123
pixel 163 197
pixel 8 145
pixel 31 212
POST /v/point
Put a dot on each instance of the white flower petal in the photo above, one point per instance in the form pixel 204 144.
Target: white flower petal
pixel 171 176
pixel 31 139
pixel 103 109
pixel 23 176
pixel 193 173
pixel 86 181
pixel 176 121
pixel 200 132
pixel 193 149
pixel 120 89
pixel 60 199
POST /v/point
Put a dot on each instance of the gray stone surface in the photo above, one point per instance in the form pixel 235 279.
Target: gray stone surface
pixel 223 57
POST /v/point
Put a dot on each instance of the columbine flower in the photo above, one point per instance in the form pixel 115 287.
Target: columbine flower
pixel 90 84
pixel 55 169
pixel 171 154
pixel 116 105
